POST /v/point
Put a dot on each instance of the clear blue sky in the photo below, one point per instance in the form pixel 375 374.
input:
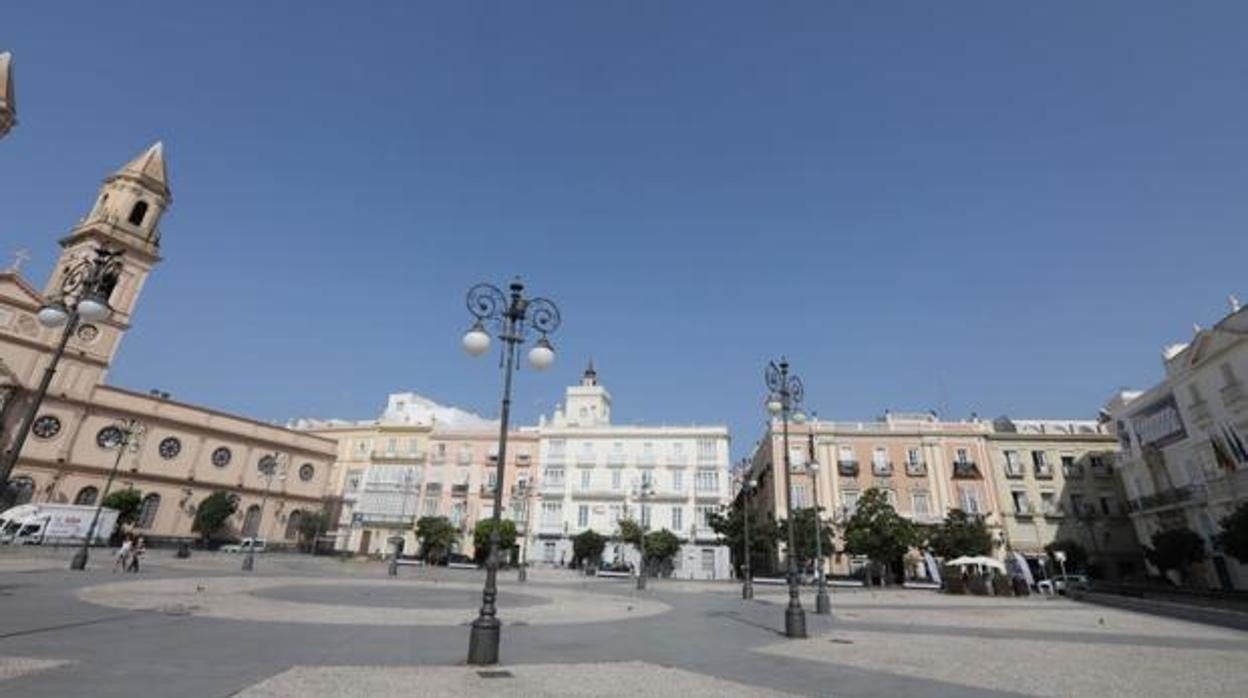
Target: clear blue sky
pixel 998 207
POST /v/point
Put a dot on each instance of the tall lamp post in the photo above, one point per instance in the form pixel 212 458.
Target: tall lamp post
pixel 268 467
pixel 748 487
pixel 645 492
pixel 86 284
pixel 520 494
pixel 823 605
pixel 401 537
pixel 125 436
pixel 513 317
pixel 786 396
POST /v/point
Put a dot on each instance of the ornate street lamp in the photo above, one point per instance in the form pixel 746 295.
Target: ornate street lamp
pixel 748 488
pixel 520 495
pixel 127 435
pixel 86 284
pixel 786 396
pixel 645 492
pixel 401 537
pixel 823 605
pixel 513 316
pixel 268 467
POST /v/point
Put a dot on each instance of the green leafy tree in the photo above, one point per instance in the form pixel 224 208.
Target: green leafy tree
pixel 1233 538
pixel 804 535
pixel 764 534
pixel 1176 549
pixel 1076 554
pixel 481 538
pixel 213 514
pixel 629 532
pixel 437 536
pixel 311 525
pixel 661 547
pixel 877 531
pixel 588 545
pixel 959 534
pixel 127 502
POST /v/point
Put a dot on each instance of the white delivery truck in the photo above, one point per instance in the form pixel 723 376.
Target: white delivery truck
pixel 37 524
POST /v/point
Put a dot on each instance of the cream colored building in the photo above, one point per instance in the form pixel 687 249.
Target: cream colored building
pixel 188 451
pixel 1184 442
pixel 419 459
pixel 924 465
pixel 592 469
pixel 1055 481
pixel 8 107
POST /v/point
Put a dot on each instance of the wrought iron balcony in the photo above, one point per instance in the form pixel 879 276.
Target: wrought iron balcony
pixel 848 468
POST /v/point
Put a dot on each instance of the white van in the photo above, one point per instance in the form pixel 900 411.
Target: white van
pixel 36 524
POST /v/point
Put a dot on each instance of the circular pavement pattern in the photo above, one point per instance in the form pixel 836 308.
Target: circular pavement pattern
pixel 391 596
pixel 340 602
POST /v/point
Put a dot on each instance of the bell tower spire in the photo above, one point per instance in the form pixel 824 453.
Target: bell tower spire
pixel 125 217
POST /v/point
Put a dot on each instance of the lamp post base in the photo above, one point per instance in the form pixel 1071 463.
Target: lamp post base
pixel 483 641
pixel 823 605
pixel 394 567
pixel 80 560
pixel 794 623
pixel 523 575
pixel 641 582
pixel 249 563
pixel 747 591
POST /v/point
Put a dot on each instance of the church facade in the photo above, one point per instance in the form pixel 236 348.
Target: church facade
pixel 186 452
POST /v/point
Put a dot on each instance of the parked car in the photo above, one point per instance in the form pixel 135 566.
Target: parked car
pixel 1061 583
pixel 245 545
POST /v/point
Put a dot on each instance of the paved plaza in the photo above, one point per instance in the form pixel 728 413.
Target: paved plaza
pixel 303 626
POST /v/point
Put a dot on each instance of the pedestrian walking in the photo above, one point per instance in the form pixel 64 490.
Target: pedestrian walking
pixel 140 548
pixel 123 555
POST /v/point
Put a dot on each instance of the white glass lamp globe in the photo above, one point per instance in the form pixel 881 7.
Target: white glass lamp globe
pixel 814 466
pixel 799 417
pixel 774 406
pixel 93 308
pixel 476 340
pixel 52 315
pixel 542 355
pixel 753 484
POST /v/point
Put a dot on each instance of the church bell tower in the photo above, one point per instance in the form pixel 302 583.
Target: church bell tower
pixel 125 217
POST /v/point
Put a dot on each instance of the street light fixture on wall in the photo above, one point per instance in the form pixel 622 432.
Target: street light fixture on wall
pixel 86 284
pixel 784 401
pixel 513 317
pixel 127 436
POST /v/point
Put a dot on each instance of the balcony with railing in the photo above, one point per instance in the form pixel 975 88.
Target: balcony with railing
pixel 1165 498
pixel 1043 471
pixel 617 459
pixel 916 468
pixel 647 459
pixel 586 458
pixel 1233 396
pixel 848 468
pixel 1231 485
pixel 460 490
pixel 551 485
pixel 881 468
pixel 1014 470
pixel 966 470
pixel 1198 410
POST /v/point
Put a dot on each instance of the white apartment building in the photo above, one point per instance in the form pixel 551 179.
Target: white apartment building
pixel 1184 457
pixel 591 472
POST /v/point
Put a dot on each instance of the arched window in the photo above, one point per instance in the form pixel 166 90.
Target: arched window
pixel 21 490
pixel 292 524
pixel 86 496
pixel 147 511
pixel 138 213
pixel 251 521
